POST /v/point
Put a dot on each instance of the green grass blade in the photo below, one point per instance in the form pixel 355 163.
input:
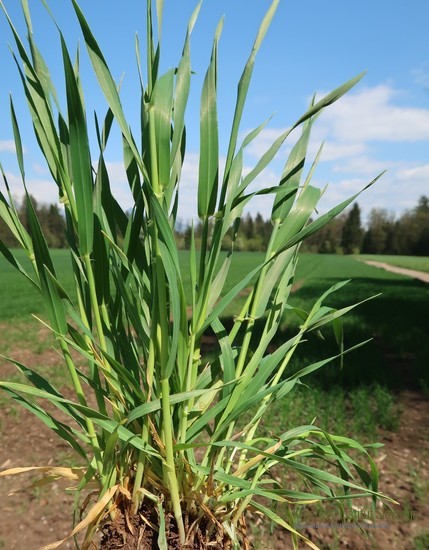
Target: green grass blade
pixel 107 83
pixel 41 383
pixel 10 217
pixel 243 88
pixel 314 226
pixel 269 513
pixel 161 109
pixel 181 92
pixel 226 357
pixel 80 157
pixel 291 176
pixel 38 62
pixel 18 142
pixel 155 405
pixel 266 158
pixel 162 537
pixel 209 139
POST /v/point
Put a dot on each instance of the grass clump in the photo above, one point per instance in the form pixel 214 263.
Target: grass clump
pixel 374 407
pixel 421 542
pixel 360 411
pixel 158 429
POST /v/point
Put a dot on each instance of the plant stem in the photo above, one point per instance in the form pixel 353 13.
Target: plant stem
pixel 188 386
pixel 82 400
pixel 140 469
pixel 204 244
pixel 94 301
pixel 162 324
pixel 255 301
pixel 93 370
pixel 170 462
pixel 145 429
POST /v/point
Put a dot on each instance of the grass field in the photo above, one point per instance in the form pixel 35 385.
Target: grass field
pixel 390 360
pixel 409 262
pixel 397 320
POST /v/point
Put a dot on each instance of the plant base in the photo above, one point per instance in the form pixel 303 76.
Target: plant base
pixel 140 532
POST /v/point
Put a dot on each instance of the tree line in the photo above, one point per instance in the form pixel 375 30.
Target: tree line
pixel 51 221
pixel 383 234
pixel 253 235
pixel 345 234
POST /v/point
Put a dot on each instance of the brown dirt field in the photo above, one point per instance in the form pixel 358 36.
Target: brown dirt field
pixel 34 518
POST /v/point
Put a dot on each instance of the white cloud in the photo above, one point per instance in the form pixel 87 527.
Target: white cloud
pixel 7 146
pixel 362 164
pixel 334 150
pixel 396 191
pixel 43 190
pixel 355 121
pixel 372 115
pixel 188 190
pixel 350 128
pixel 408 184
pixel 40 169
pixel 360 132
pixel 338 192
pixel 266 138
pixel 417 173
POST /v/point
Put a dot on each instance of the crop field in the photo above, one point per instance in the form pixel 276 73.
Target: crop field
pixel 380 393
pixel 396 319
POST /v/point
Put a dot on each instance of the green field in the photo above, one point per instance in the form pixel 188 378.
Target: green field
pixel 18 299
pixel 419 263
pixel 396 357
pixel 397 321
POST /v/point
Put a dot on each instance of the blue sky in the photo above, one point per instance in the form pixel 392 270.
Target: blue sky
pixel 311 47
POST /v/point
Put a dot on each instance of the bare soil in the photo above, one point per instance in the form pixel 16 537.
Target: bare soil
pixel 33 518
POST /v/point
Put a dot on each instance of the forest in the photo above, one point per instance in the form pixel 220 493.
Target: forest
pixel 383 232
pixel 346 234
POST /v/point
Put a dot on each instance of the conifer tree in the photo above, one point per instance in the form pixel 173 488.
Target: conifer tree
pixel 352 235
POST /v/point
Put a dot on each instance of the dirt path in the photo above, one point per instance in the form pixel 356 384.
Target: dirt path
pixel 421 275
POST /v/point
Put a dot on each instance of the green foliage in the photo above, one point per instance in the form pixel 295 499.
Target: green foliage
pixel 374 407
pixel 421 541
pixel 407 235
pixel 384 360
pixel 361 410
pixel 392 352
pixel 51 221
pixel 351 238
pixel 153 422
pixel 383 234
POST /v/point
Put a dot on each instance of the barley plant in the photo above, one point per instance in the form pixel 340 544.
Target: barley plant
pixel 168 441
